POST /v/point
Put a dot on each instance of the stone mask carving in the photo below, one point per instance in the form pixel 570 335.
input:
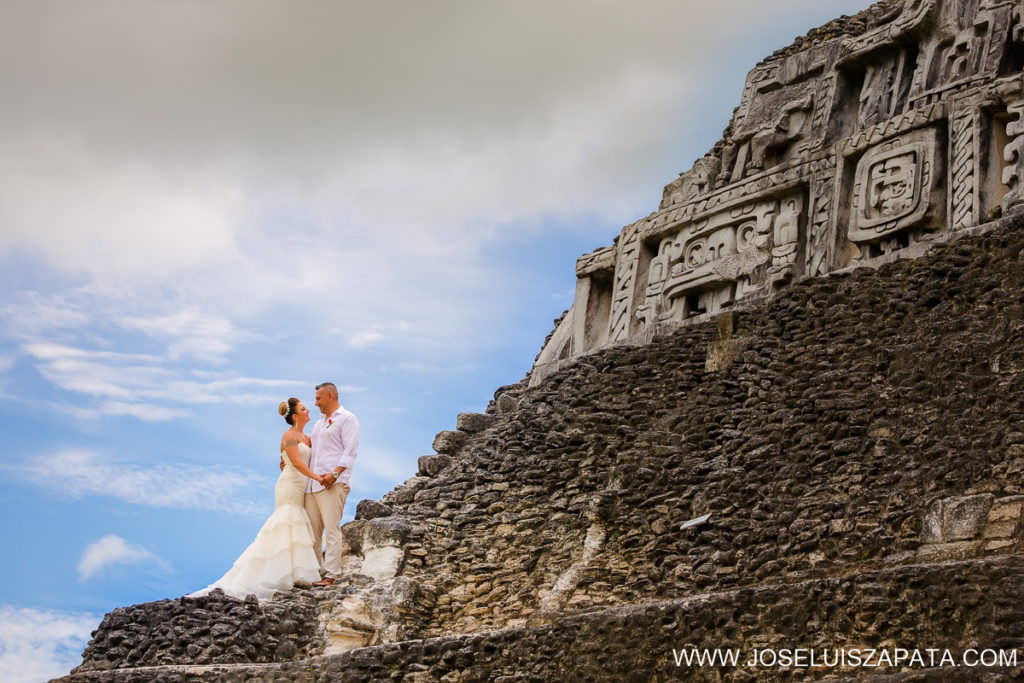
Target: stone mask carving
pixel 891 191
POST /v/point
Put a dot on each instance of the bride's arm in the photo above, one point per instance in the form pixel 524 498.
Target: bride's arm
pixel 291 449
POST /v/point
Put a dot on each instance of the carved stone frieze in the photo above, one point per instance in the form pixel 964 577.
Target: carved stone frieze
pixel 968 44
pixel 776 114
pixel 714 261
pixel 1013 154
pixel 913 14
pixel 596 261
pixel 696 182
pixel 892 188
pixel 669 219
pixel 864 141
pixel 963 155
pixel 626 266
pixel 821 231
pixel 917 118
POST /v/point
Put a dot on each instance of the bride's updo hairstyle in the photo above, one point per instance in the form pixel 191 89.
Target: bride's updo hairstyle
pixel 287 409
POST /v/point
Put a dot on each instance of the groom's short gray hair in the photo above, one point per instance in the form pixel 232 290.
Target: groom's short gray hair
pixel 328 385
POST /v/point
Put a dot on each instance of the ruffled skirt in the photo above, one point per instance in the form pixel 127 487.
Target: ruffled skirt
pixel 281 557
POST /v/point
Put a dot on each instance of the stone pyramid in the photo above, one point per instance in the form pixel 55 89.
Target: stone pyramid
pixel 781 422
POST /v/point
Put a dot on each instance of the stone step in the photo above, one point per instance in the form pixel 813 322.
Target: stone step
pixel 956 605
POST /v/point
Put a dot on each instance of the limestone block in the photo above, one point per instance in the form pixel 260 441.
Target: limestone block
pixel 352 538
pixel 1006 509
pixel 378 545
pixel 506 403
pixel 449 442
pixel 942 552
pixel 960 518
pixel 382 563
pixel 931 527
pixel 473 422
pixel 999 544
pixel 722 353
pixel 963 518
pixel 999 530
pixel 385 531
pixel 430 465
pixel 372 509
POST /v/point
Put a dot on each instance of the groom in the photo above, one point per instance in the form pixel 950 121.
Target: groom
pixel 335 439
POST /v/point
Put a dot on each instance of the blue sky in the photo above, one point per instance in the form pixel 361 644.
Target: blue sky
pixel 208 207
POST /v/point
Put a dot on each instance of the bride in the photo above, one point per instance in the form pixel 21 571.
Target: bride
pixel 282 555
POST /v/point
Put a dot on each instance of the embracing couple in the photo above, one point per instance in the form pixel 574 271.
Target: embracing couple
pixel 309 499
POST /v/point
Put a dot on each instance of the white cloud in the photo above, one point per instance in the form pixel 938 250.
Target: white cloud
pixel 190 333
pixel 219 489
pixel 33 313
pixel 273 164
pixel 146 412
pixel 366 338
pixel 114 220
pixel 112 550
pixel 377 334
pixel 37 645
pixel 131 382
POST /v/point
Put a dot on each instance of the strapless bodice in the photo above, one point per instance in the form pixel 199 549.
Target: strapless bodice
pixel 291 484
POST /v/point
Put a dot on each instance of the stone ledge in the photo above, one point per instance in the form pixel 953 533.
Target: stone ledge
pixel 919 606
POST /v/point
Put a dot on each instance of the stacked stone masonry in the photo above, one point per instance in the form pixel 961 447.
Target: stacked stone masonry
pixel 870 427
pixel 784 410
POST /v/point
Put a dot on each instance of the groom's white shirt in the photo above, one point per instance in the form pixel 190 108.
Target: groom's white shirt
pixel 335 440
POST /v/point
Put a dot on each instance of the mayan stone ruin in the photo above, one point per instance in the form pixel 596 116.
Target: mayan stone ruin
pixel 785 410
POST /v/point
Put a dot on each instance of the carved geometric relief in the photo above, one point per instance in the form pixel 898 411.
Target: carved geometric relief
pixel 716 260
pixel 962 161
pixel 626 264
pixel 892 190
pixel 691 184
pixel 821 231
pixel 596 261
pixel 1013 154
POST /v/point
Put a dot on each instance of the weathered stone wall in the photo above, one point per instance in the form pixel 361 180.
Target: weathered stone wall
pixel 866 432
pixel 951 605
pixel 213 629
pixel 854 405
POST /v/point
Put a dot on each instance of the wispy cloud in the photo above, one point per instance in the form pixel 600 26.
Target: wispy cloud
pixel 377 334
pixel 32 314
pixel 113 550
pixel 86 473
pixel 148 387
pixel 37 645
pixel 146 412
pixel 191 333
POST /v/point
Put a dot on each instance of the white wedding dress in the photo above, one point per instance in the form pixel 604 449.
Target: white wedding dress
pixel 282 555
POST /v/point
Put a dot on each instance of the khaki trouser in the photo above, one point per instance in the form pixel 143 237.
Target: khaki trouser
pixel 324 509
